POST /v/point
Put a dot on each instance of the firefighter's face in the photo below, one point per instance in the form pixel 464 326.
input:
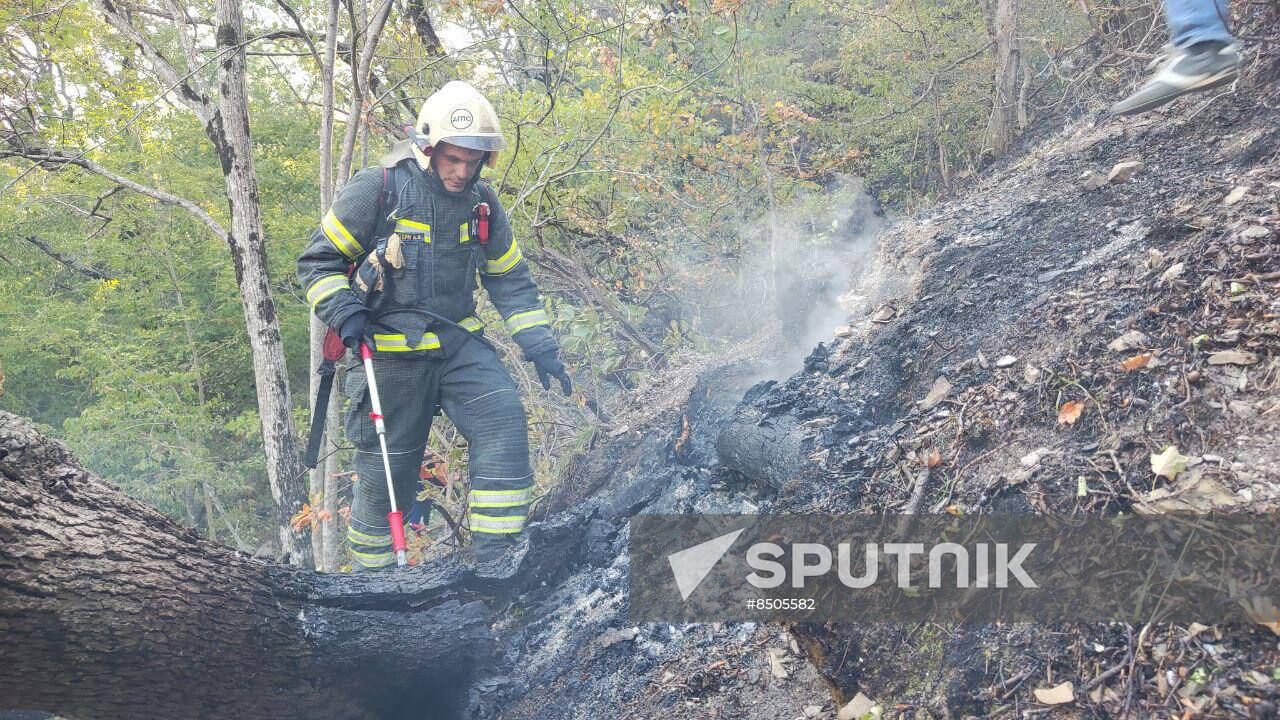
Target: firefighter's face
pixel 455 165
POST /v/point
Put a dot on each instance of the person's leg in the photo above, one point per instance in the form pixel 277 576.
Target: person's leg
pixel 408 391
pixel 479 396
pixel 1204 56
pixel 1196 21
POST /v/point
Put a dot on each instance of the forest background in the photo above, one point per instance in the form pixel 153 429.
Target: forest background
pixel 653 148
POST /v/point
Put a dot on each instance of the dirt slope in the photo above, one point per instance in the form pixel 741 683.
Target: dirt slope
pixel 996 309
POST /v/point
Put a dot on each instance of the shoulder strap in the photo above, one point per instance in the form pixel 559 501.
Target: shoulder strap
pixel 388 198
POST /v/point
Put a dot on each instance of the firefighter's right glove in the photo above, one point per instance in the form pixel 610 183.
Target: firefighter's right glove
pixel 548 365
pixel 353 330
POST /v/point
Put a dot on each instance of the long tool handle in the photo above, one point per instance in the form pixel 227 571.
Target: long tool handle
pixel 394 518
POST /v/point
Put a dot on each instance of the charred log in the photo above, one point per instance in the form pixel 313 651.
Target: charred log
pixel 109 609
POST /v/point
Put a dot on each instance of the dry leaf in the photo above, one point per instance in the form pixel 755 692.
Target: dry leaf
pixel 1236 195
pixel 1169 463
pixel 1194 491
pixel 775 663
pixel 934 459
pixel 1173 273
pixel 1070 412
pixel 1261 610
pixel 1232 357
pixel 1056 695
pixel 1005 361
pixel 1137 362
pixel 941 387
pixel 1128 341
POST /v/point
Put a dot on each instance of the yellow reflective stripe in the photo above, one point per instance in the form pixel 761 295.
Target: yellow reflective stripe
pixel 471 323
pixel 509 259
pixel 525 320
pixel 397 343
pixel 324 287
pixel 464 233
pixel 414 227
pixel 360 538
pixel 500 498
pixel 338 235
pixel 372 560
pixel 496 523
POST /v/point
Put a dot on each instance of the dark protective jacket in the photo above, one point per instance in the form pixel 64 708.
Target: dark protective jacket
pixel 441 260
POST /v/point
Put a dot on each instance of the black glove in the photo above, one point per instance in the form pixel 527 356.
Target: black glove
pixel 549 365
pixel 353 329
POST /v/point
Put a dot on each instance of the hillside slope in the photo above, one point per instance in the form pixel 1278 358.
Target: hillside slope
pixel 1018 293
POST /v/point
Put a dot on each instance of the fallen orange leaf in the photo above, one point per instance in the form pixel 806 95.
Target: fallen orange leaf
pixel 1070 412
pixel 934 459
pixel 1137 362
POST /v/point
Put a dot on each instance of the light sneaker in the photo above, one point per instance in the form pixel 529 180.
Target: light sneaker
pixel 1199 67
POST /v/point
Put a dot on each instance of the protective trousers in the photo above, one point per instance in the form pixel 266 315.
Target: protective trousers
pixel 477 393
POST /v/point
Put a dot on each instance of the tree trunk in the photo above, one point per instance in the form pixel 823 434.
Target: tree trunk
pixel 111 610
pixel 1002 25
pixel 229 131
pixel 325 539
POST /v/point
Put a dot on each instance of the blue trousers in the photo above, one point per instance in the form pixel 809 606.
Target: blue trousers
pixel 1194 21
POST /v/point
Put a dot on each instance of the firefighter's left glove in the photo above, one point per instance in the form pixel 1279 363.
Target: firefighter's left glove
pixel 353 330
pixel 548 365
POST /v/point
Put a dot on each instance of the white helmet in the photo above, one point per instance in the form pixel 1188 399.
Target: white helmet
pixel 459 115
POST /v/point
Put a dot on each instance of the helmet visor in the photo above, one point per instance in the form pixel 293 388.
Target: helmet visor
pixel 488 143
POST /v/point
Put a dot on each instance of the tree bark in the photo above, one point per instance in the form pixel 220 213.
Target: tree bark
pixel 226 124
pixel 229 132
pixel 111 610
pixel 1002 25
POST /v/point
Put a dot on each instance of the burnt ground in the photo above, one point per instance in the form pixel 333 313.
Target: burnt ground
pixel 1007 303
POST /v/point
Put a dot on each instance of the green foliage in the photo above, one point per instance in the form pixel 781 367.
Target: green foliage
pixel 645 142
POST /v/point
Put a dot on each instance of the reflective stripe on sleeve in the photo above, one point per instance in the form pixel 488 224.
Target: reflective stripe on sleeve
pixel 500 498
pixel 338 235
pixel 527 319
pixel 509 259
pixel 496 523
pixel 324 287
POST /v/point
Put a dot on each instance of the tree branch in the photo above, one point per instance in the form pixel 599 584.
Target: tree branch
pixel 70 261
pixel 52 159
pixel 168 74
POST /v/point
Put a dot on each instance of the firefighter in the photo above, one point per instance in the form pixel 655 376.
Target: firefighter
pixel 419 229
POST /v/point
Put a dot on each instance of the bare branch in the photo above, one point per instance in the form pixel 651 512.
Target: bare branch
pixel 70 261
pixel 53 159
pixel 191 95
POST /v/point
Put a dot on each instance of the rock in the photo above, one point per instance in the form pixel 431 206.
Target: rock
pixel 1233 357
pixel 857 707
pixel 812 710
pixel 939 391
pixel 1129 341
pixel 1005 361
pixel 843 331
pixel 1255 232
pixel 1092 180
pixel 1236 195
pixel 1045 277
pixel 884 314
pixel 1031 374
pixel 1033 458
pixel 1125 170
pixel 1155 258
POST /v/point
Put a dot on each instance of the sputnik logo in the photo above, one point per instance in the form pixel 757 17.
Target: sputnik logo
pixel 692 565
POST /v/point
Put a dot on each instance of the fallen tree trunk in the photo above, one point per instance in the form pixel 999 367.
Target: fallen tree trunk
pixel 111 610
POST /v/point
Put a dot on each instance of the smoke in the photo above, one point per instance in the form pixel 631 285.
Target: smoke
pixel 807 269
